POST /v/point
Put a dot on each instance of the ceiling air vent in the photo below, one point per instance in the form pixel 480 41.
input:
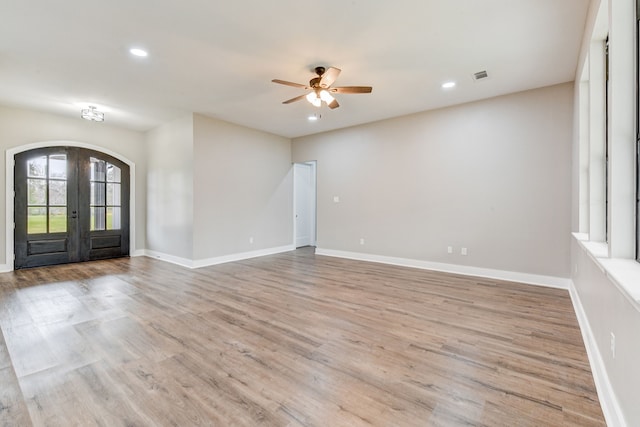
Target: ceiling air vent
pixel 480 75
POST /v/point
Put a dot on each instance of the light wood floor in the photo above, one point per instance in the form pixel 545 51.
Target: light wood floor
pixel 286 340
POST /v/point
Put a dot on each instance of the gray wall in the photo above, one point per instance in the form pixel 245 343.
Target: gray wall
pixel 170 188
pixel 493 176
pixel 19 127
pixel 243 184
pixel 212 186
pixel 203 186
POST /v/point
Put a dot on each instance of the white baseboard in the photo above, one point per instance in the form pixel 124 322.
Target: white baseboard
pixel 513 276
pixel 243 255
pixel 6 268
pixel 184 262
pixel 137 252
pixel 608 401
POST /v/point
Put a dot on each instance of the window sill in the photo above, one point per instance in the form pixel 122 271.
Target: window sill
pixel 624 273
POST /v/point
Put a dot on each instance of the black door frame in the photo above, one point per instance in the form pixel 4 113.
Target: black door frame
pixel 10 185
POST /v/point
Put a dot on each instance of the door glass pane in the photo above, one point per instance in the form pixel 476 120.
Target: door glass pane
pixel 57 220
pixel 58 166
pixel 113 194
pixel 98 169
pixel 36 220
pixel 47 187
pixel 58 193
pixel 97 194
pixel 97 218
pixel 37 168
pixel 37 191
pixel 113 173
pixel 114 219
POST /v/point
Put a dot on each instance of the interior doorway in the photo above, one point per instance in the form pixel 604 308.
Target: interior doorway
pixel 304 201
pixel 71 204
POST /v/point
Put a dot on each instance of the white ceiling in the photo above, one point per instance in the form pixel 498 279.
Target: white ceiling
pixel 217 57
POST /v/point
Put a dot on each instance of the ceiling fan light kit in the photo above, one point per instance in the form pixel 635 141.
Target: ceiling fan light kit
pixel 321 89
pixel 314 99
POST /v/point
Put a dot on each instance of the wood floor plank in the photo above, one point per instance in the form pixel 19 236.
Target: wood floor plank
pixel 292 339
pixel 13 410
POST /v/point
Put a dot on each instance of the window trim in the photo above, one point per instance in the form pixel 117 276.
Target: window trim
pixel 637 212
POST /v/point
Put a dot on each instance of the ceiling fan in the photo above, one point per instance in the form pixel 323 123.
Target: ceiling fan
pixel 321 89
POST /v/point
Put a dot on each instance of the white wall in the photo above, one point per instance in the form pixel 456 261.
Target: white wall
pixel 493 176
pixel 608 309
pixel 243 184
pixel 170 189
pixel 605 275
pixel 19 127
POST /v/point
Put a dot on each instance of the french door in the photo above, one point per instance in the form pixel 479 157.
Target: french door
pixel 71 204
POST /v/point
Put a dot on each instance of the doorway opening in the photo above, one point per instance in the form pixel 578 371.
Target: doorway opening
pixel 71 204
pixel 304 204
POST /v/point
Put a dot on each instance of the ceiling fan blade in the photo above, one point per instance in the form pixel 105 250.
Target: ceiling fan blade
pixel 286 83
pixel 297 98
pixel 333 104
pixel 329 77
pixel 351 89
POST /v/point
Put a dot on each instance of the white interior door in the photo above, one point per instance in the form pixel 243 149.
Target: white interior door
pixel 304 189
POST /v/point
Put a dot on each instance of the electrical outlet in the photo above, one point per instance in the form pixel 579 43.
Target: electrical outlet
pixel 613 345
pixel 449 249
pixel 463 251
pixel 362 241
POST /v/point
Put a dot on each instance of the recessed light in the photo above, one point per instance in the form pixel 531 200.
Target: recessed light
pixel 138 52
pixel 314 117
pixel 448 85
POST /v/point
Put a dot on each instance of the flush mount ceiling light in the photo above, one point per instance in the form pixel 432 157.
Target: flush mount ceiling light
pixel 314 117
pixel 92 114
pixel 448 85
pixel 138 52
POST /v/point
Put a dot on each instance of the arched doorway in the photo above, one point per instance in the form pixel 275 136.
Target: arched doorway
pixel 71 204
